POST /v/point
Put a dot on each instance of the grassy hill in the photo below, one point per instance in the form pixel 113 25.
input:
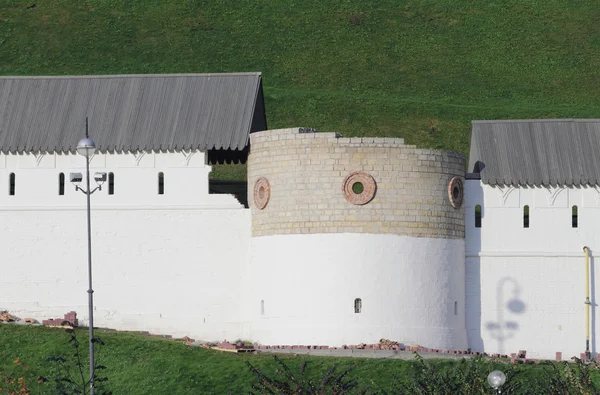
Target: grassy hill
pixel 421 70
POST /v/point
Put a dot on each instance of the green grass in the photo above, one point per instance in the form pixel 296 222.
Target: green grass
pixel 142 365
pixel 138 364
pixel 421 70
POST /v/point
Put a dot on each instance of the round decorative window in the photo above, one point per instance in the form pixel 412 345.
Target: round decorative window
pixel 359 188
pixel 262 193
pixel 456 191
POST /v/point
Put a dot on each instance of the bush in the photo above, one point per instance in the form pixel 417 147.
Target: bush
pixel 286 382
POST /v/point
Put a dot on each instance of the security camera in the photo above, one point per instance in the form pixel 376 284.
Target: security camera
pixel 100 178
pixel 76 177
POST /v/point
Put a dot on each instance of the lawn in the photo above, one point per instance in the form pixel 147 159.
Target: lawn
pixel 138 364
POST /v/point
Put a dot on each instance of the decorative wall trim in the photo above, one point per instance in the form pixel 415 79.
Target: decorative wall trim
pixel 137 157
pixel 188 156
pixel 368 188
pixel 456 191
pixel 553 194
pixel 504 193
pixel 262 193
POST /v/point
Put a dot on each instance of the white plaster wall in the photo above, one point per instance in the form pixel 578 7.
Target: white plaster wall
pixel 136 180
pixel 168 264
pixel 408 287
pixel 526 286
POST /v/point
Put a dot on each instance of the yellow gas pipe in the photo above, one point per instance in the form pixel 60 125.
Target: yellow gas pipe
pixel 587 303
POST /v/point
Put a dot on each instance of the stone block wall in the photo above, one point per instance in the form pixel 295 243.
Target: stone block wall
pixel 305 191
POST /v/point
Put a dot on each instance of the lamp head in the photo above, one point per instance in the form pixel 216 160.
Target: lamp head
pixel 100 178
pixel 76 178
pixel 496 379
pixel 86 147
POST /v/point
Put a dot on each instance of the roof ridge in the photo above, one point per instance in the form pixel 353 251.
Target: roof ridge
pixel 499 121
pixel 15 77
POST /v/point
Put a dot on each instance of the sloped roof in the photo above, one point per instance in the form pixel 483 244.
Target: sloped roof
pixel 131 112
pixel 549 152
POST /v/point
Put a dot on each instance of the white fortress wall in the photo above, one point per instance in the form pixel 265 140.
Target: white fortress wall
pixel 168 264
pixel 309 283
pixel 526 286
pixel 318 246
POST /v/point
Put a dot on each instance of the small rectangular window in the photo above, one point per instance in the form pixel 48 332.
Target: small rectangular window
pixel 357 305
pixel 161 183
pixel 526 217
pixel 111 183
pixel 61 184
pixel 478 216
pixel 11 184
pixel 574 217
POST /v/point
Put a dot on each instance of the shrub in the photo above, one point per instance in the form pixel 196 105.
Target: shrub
pixel 286 382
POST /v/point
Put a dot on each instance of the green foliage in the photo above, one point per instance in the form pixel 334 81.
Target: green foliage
pixel 286 382
pixel 467 377
pixel 71 375
pixel 569 378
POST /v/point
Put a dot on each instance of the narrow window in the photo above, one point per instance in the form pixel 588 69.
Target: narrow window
pixel 357 305
pixel 11 184
pixel 61 184
pixel 111 183
pixel 574 219
pixel 262 307
pixel 526 217
pixel 161 183
pixel 455 307
pixel 478 216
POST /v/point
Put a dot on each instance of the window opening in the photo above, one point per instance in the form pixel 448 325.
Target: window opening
pixel 11 184
pixel 262 307
pixel 455 307
pixel 478 216
pixel 161 183
pixel 357 305
pixel 526 217
pixel 111 183
pixel 574 217
pixel 61 184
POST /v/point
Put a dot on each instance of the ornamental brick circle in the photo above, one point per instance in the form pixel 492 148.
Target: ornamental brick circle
pixel 369 188
pixel 262 193
pixel 456 191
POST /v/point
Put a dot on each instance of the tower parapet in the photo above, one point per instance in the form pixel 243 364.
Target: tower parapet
pixel 324 183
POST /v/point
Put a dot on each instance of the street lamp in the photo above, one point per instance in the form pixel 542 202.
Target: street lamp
pixel 496 380
pixel 87 147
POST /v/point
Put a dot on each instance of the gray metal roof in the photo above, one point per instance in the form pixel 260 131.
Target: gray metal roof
pixel 536 152
pixel 130 112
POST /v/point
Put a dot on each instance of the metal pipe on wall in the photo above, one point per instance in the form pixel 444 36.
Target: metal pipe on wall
pixel 588 355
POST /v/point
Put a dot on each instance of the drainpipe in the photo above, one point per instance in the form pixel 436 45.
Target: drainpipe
pixel 588 355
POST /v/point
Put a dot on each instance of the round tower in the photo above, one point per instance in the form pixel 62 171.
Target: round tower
pixel 354 240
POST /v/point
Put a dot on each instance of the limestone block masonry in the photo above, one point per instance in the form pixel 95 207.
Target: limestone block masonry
pixel 306 172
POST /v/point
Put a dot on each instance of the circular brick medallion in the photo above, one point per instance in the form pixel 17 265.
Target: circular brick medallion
pixel 262 193
pixel 456 191
pixel 359 188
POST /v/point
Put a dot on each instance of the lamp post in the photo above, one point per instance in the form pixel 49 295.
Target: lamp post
pixel 496 380
pixel 87 147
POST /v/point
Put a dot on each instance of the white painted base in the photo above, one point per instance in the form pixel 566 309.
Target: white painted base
pixel 173 272
pixel 308 283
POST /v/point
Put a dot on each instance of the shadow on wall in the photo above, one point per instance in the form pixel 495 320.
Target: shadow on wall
pixel 508 302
